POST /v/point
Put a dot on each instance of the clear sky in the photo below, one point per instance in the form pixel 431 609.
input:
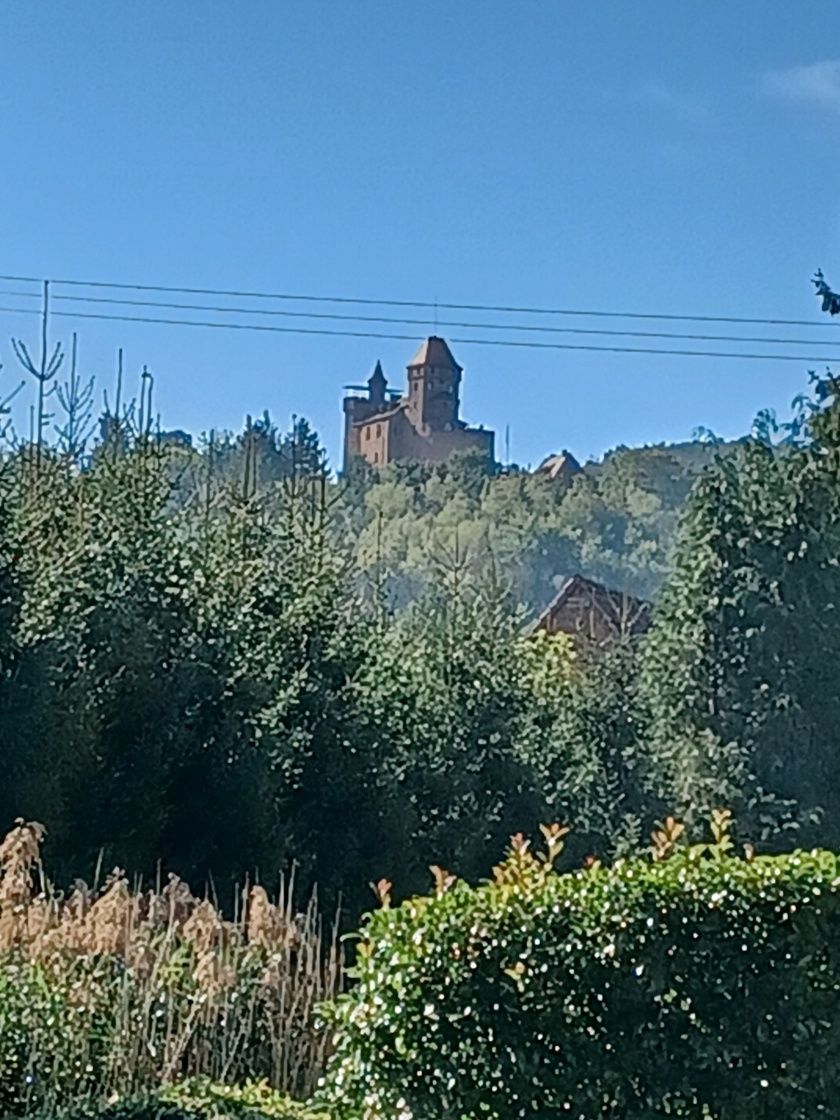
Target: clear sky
pixel 648 155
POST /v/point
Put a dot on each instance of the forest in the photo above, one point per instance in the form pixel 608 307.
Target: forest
pixel 234 619
pixel 224 661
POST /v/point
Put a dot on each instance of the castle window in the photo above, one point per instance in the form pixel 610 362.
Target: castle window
pixel 376 456
pixel 367 433
pixel 378 430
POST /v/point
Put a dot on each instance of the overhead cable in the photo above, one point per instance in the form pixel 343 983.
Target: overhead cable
pixel 517 343
pixel 425 304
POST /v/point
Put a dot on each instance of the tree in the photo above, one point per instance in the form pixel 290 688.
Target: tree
pixel 739 668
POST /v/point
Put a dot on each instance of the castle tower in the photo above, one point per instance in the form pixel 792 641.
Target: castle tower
pixel 358 409
pixel 434 382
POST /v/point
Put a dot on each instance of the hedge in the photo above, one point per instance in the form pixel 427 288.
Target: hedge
pixel 696 984
pixel 204 1100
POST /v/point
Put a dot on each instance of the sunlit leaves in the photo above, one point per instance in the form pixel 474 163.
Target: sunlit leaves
pixel 695 985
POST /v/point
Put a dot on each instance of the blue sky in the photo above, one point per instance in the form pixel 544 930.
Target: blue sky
pixel 647 156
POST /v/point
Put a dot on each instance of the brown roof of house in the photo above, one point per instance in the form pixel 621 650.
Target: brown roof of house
pixel 615 607
pixel 555 465
pixel 434 352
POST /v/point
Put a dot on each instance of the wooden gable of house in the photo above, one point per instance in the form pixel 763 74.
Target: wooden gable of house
pixel 594 614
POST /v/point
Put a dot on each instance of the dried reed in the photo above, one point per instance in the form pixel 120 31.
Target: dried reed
pixel 129 990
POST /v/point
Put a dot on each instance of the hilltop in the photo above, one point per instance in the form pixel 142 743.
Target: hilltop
pixel 412 526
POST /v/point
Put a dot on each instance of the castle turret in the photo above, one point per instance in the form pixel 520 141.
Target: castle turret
pixel 377 387
pixel 357 409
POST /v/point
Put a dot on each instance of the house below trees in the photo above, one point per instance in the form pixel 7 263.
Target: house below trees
pixel 593 614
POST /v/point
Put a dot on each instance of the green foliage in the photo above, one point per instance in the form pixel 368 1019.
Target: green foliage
pixel 601 719
pixel 54 1030
pixel 483 729
pixel 829 300
pixel 411 523
pixel 739 669
pixel 696 985
pixel 80 1027
pixel 32 1010
pixel 738 674
pixel 193 673
pixel 204 1100
pixel 463 712
pixel 175 675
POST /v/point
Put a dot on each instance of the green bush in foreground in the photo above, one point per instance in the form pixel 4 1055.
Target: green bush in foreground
pixel 693 985
pixel 204 1100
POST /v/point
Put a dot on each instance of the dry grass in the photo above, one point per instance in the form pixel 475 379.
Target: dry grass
pixel 127 989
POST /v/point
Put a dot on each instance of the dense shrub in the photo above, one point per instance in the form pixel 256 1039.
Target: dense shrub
pixel 205 1100
pixel 483 730
pixel 697 985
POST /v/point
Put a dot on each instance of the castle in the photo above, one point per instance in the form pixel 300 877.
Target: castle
pixel 383 426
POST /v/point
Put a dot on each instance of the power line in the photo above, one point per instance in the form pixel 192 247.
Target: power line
pixel 339 317
pixel 429 305
pixel 526 327
pixel 517 343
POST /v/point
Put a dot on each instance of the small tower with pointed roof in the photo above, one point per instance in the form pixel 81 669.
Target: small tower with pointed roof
pixel 377 387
